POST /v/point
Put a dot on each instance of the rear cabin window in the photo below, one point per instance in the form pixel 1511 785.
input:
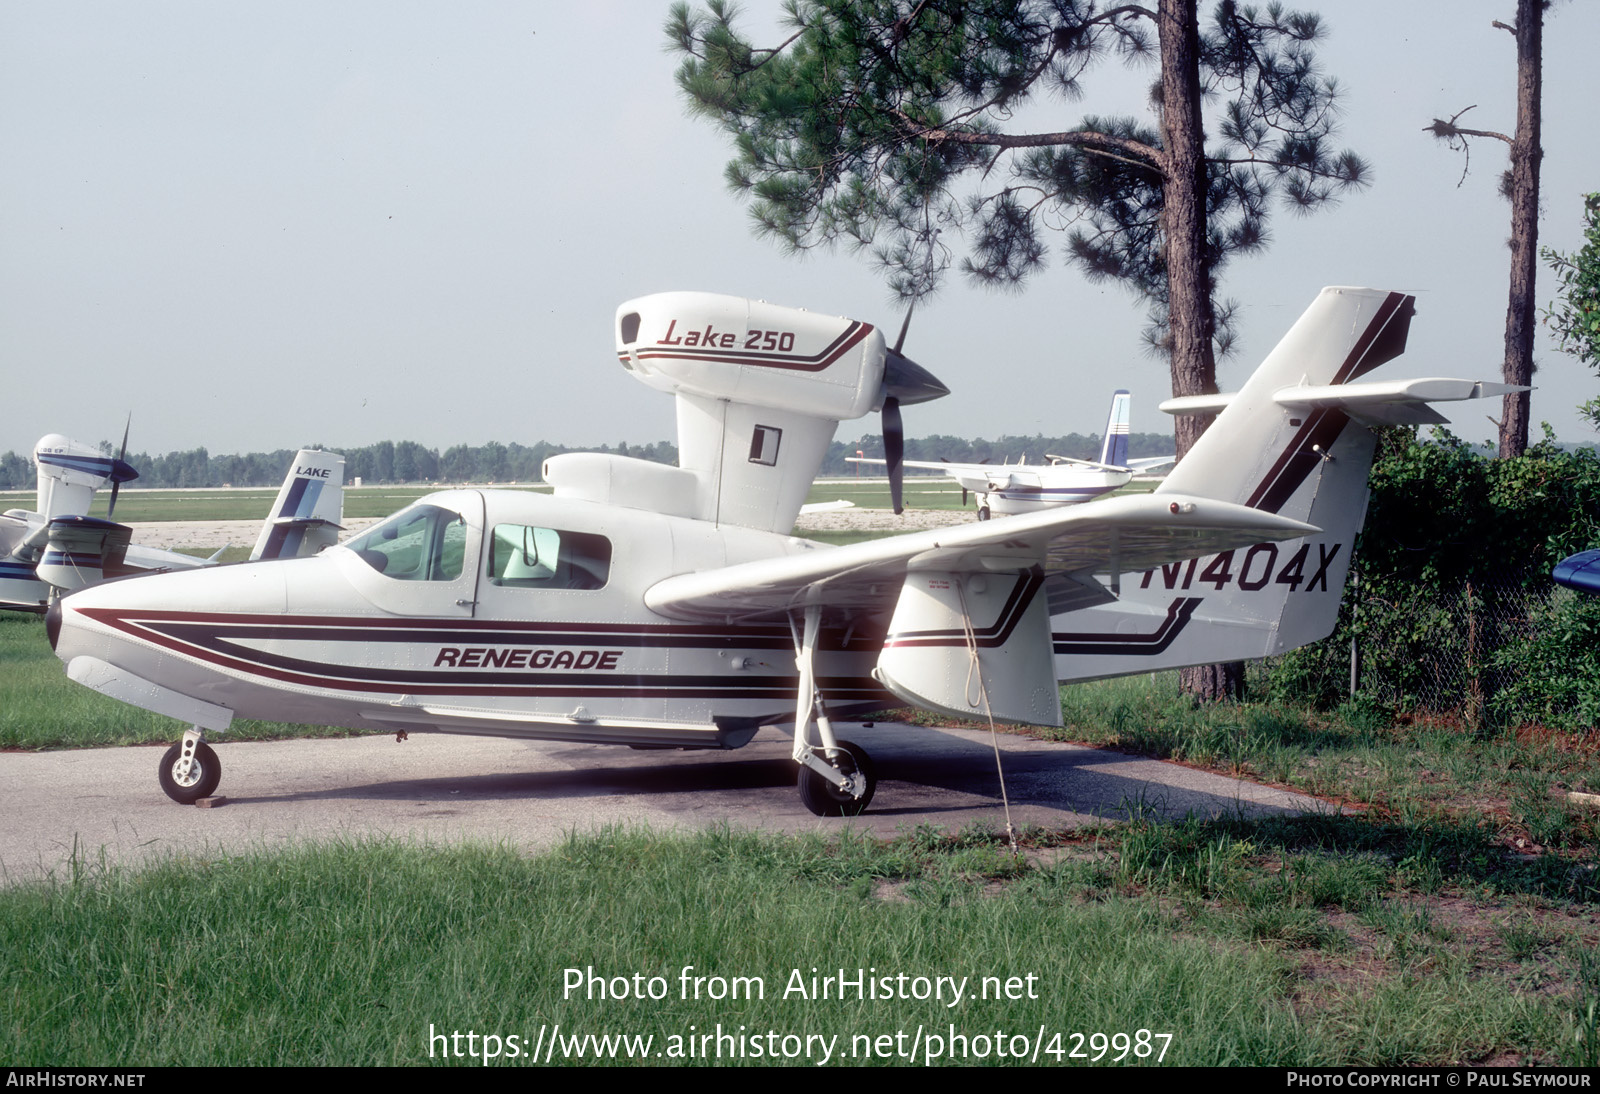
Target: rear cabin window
pixel 425 543
pixel 523 557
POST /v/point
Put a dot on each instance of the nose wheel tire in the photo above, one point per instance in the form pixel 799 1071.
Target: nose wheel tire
pixel 201 780
pixel 827 800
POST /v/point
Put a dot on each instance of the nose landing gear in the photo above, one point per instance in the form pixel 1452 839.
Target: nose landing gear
pixel 189 770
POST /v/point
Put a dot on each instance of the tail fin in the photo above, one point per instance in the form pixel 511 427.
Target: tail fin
pixel 305 517
pixel 1114 447
pixel 1259 451
pixel 1293 441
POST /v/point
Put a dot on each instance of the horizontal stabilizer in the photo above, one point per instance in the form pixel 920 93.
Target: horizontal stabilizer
pixel 1390 402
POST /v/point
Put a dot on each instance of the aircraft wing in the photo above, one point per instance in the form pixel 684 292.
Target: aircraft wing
pixel 926 465
pixel 826 506
pixel 973 476
pixel 1118 535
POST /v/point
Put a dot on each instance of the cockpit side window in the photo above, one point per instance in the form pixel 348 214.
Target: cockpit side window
pixel 424 543
pixel 525 557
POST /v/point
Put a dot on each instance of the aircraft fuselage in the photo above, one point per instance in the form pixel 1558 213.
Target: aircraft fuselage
pixel 499 613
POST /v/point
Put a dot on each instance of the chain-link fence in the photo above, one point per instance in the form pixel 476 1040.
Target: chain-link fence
pixel 1508 648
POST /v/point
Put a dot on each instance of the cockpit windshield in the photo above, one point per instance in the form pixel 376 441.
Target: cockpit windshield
pixel 422 543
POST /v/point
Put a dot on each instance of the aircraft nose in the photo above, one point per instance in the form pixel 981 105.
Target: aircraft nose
pixel 52 621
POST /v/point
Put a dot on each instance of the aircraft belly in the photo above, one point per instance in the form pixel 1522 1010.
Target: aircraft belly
pixel 672 683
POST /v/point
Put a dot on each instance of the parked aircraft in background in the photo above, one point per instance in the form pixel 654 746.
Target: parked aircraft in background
pixel 658 606
pixel 60 547
pixel 1580 571
pixel 1008 489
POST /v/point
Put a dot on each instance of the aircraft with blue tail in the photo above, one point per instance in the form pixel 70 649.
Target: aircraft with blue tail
pixel 1009 489
pixel 58 547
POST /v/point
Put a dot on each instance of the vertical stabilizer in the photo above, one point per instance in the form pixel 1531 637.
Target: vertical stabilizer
pixel 306 516
pixel 1274 450
pixel 1114 447
pixel 1259 451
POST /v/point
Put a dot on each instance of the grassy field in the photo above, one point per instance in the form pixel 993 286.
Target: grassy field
pixel 921 492
pixel 244 504
pixel 1451 915
pixel 1278 943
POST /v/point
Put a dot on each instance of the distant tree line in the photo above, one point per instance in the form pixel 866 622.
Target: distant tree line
pixel 409 462
pixel 1003 449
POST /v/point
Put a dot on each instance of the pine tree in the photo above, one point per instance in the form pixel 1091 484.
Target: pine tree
pixel 886 124
pixel 890 125
pixel 1520 184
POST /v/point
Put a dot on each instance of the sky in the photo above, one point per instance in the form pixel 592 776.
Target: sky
pixel 259 226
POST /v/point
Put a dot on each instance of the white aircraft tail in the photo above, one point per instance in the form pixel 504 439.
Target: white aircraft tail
pixel 1114 446
pixel 306 516
pixel 1293 441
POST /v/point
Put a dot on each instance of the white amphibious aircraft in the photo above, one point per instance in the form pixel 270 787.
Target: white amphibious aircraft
pixel 657 606
pixel 60 548
pixel 1009 489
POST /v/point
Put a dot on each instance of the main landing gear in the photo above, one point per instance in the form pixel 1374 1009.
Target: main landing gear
pixel 836 777
pixel 189 769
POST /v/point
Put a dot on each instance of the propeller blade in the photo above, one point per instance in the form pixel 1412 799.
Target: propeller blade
pixel 894 450
pixel 905 325
pixel 120 471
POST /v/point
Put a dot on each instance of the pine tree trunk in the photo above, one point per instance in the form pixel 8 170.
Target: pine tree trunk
pixel 1525 154
pixel 1183 222
pixel 1183 213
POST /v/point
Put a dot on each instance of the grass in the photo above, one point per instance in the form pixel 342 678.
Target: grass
pixel 350 953
pixel 134 505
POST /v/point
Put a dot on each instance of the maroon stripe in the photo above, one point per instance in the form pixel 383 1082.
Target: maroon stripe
pixel 815 362
pixel 1383 340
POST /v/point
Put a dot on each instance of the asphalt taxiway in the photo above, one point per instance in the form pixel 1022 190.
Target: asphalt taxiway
pixel 105 805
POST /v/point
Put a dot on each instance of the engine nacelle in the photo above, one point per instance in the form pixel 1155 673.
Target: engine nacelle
pixel 752 352
pixel 69 473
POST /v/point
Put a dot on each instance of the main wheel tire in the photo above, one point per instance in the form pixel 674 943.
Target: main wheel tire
pixel 826 800
pixel 983 512
pixel 204 774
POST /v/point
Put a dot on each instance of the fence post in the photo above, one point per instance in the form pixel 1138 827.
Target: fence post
pixel 1355 652
pixel 1474 709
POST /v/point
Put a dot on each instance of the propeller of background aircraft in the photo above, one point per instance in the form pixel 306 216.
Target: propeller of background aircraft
pixel 121 471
